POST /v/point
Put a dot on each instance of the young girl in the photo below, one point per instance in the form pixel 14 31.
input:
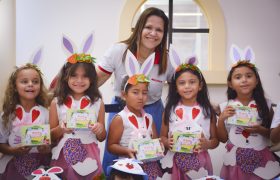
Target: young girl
pixel 77 103
pixel 25 103
pixel 133 123
pixel 188 108
pixel 247 155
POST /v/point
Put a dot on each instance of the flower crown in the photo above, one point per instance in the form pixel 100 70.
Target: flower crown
pixel 138 78
pixel 242 57
pixel 188 66
pixel 136 73
pixel 85 58
pixel 244 62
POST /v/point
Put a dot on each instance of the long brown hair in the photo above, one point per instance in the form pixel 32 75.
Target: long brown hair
pixel 11 98
pixel 136 35
pixel 68 70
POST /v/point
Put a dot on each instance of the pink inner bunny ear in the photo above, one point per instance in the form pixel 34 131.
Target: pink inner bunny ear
pixel 192 60
pixel 131 64
pixel 147 65
pixel 249 54
pixel 37 57
pixel 176 57
pixel 235 54
pixel 55 170
pixel 68 45
pixel 88 44
pixel 38 172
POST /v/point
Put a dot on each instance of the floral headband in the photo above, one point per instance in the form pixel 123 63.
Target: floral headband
pixel 33 63
pixel 239 57
pixel 86 58
pixel 136 73
pixel 187 66
pixel 74 57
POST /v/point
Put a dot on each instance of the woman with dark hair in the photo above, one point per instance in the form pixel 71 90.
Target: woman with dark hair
pixel 149 36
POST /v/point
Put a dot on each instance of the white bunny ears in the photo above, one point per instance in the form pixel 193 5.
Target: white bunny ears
pixel 136 72
pixel 237 55
pixel 50 173
pixel 71 50
pixel 178 64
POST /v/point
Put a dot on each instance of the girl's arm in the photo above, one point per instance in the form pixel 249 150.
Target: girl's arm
pixel 7 149
pixel 275 134
pixel 114 137
pixel 213 142
pixel 99 127
pixel 154 135
pixel 102 77
pixel 56 130
pixel 221 128
pixel 167 142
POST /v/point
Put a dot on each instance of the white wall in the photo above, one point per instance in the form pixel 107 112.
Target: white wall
pixel 7 43
pixel 42 23
pixel 253 22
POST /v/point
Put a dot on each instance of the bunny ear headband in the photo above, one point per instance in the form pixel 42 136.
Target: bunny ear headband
pixel 178 64
pixel 70 49
pixel 136 73
pixel 238 56
pixel 130 166
pixel 34 61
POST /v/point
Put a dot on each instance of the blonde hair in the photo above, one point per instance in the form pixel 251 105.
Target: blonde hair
pixel 11 98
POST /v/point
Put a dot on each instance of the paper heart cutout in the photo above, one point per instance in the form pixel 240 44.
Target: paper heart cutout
pixel 129 166
pixel 68 102
pixel 246 134
pixel 84 103
pixel 179 112
pixel 195 112
pixel 133 120
pixel 147 121
pixel 253 105
pixel 19 113
pixel 35 114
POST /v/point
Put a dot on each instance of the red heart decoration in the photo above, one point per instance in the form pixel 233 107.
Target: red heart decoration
pixel 195 112
pixel 179 112
pixel 133 120
pixel 19 113
pixel 84 103
pixel 129 166
pixel 253 105
pixel 246 134
pixel 68 102
pixel 147 121
pixel 35 114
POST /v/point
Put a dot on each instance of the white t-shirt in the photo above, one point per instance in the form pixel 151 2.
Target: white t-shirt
pixel 276 117
pixel 112 62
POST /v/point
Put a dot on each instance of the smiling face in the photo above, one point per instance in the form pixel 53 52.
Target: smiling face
pixel 136 97
pixel 188 86
pixel 78 82
pixel 28 85
pixel 152 33
pixel 243 81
